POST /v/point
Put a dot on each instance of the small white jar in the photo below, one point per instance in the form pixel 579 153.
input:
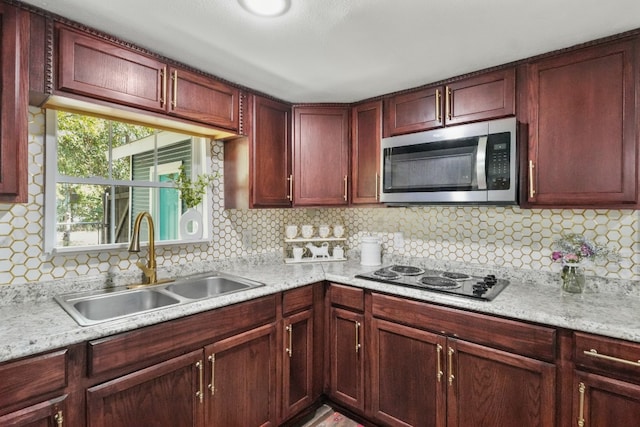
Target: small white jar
pixel 370 252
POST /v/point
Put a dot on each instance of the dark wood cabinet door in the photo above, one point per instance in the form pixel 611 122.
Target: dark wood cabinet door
pixel 99 69
pixel 604 402
pixel 298 359
pixel 51 413
pixel 271 154
pixel 320 156
pixel 167 394
pixel 582 118
pixel 487 96
pixel 366 129
pixel 414 111
pixel 346 358
pixel 241 379
pixel 488 388
pixel 407 375
pixel 196 97
pixel 14 94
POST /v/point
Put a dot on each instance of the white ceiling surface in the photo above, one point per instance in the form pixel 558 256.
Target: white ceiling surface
pixel 349 50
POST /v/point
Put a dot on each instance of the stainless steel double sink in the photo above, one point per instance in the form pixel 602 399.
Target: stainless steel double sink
pixel 89 308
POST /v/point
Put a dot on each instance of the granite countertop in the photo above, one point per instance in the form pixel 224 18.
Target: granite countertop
pixel 40 324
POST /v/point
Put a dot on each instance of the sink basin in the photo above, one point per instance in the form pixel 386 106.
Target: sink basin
pixel 91 309
pixel 210 286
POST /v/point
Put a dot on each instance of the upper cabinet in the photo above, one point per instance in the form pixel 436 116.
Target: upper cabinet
pixel 582 128
pixel 366 133
pixel 257 167
pixel 100 69
pixel 14 94
pixel 483 97
pixel 320 156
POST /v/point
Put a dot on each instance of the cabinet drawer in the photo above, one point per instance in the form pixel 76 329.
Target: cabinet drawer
pixel 608 356
pixel 534 341
pixel 142 347
pixel 346 296
pixel 32 377
pixel 297 299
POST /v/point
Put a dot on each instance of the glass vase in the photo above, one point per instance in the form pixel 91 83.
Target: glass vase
pixel 572 278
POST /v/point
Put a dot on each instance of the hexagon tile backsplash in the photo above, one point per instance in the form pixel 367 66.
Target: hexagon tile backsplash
pixel 500 236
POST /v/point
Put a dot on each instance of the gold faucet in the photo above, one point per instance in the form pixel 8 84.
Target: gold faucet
pixel 148 270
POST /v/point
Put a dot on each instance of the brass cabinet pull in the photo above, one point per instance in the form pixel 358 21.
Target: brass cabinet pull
pixel 377 187
pixel 345 188
pixel 290 195
pixel 532 191
pixel 438 108
pixel 212 386
pixel 594 353
pixel 358 337
pixel 174 100
pixel 163 93
pixel 199 393
pixel 439 372
pixel 581 389
pixel 451 376
pixel 447 102
pixel 59 419
pixel 289 349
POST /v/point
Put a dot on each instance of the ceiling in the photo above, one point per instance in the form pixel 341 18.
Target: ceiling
pixel 349 50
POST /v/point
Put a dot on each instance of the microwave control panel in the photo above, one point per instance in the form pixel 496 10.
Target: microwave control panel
pixel 498 162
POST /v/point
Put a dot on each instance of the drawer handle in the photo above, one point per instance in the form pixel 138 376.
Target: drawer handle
pixel 438 357
pixel 451 376
pixel 581 389
pixel 358 346
pixel 199 393
pixel 289 349
pixel 212 386
pixel 59 419
pixel 594 353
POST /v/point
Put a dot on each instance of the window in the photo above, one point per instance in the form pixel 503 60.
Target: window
pixel 103 173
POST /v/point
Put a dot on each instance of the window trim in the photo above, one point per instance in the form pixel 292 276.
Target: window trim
pixel 53 177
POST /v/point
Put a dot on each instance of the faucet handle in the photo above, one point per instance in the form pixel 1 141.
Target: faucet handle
pixel 148 272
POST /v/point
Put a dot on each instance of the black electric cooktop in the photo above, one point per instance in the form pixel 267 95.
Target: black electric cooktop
pixel 477 287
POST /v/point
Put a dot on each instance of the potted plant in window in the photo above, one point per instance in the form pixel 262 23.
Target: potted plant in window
pixel 191 193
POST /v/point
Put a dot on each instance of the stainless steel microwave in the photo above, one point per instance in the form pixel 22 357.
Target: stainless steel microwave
pixel 473 163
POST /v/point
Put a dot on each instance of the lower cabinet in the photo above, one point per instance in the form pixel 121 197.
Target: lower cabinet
pixel 297 363
pixel 167 394
pixel 45 414
pixel 241 380
pixel 606 384
pixel 346 352
pixel 407 375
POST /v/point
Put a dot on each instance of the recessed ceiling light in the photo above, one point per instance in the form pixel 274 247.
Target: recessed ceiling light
pixel 266 7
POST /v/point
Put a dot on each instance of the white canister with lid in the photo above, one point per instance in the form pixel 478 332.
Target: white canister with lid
pixel 370 252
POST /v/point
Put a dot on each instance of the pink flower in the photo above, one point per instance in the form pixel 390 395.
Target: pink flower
pixel 556 255
pixel 571 258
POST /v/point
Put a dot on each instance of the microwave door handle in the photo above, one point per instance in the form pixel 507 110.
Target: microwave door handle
pixel 481 160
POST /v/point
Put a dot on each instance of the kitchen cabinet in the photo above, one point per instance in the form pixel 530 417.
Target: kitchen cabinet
pixel 299 352
pixel 199 370
pixel 241 379
pixel 320 156
pixel 14 42
pixel 485 96
pixel 32 390
pixel 346 352
pixel 606 386
pixel 366 128
pixel 582 128
pixel 168 394
pixel 257 167
pixel 466 368
pixel 104 70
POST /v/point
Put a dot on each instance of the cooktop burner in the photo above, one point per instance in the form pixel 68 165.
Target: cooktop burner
pixel 438 282
pixel 455 276
pixel 478 287
pixel 406 270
